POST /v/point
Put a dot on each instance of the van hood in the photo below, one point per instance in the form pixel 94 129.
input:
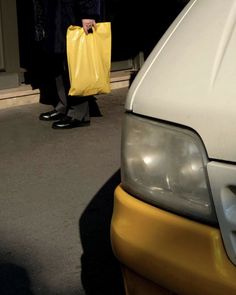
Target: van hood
pixel 190 76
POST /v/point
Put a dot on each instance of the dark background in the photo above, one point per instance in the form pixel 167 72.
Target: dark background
pixel 136 26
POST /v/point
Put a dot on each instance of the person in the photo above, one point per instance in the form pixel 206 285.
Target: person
pixel 49 68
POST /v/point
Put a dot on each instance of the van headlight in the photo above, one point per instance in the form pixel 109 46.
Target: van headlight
pixel 166 166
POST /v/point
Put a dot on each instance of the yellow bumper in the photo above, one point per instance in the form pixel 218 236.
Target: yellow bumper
pixel 158 248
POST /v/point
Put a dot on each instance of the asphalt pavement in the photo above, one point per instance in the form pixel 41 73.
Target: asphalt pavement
pixel 56 197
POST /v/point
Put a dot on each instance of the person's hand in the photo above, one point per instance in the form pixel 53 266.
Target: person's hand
pixel 88 24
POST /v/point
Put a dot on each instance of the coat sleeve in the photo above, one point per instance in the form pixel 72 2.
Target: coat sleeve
pixel 90 9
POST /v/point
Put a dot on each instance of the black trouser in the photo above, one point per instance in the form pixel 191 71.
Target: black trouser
pixel 54 88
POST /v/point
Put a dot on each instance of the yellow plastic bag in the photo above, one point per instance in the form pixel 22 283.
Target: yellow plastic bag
pixel 89 60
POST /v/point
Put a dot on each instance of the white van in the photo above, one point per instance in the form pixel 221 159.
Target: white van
pixel 174 221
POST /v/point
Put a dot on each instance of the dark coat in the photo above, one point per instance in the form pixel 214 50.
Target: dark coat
pixel 42 28
pixel 55 16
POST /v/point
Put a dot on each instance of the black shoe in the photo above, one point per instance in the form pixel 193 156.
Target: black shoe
pixel 51 116
pixel 67 123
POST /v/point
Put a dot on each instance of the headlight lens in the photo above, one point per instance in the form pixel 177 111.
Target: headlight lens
pixel 166 166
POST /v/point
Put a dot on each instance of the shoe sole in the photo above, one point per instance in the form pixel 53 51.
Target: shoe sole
pixel 84 124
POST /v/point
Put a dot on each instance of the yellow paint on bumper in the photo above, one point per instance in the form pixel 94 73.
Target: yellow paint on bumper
pixel 183 256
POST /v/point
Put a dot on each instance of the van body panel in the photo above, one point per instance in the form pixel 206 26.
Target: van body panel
pixel 190 77
pixel 171 251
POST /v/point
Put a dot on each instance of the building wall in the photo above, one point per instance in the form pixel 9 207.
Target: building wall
pixel 9 50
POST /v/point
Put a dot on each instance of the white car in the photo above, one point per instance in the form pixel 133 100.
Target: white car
pixel 174 221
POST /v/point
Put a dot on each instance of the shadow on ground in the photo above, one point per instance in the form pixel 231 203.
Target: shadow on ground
pixel 14 280
pixel 101 273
